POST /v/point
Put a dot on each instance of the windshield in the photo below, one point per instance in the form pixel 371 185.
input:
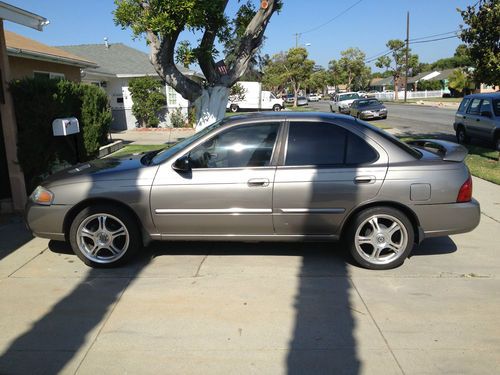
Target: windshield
pixel 349 96
pixel 366 103
pixel 168 152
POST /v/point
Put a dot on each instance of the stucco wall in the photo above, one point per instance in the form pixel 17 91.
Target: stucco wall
pixel 21 68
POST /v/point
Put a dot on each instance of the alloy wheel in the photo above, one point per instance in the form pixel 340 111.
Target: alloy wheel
pixel 381 239
pixel 102 238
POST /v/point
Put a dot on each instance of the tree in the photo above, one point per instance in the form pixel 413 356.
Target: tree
pixel 396 63
pixel 318 80
pixel 298 69
pixel 482 37
pixel 148 100
pixel 185 54
pixel 335 74
pixel 351 65
pixel 459 80
pixel 273 78
pixel 162 21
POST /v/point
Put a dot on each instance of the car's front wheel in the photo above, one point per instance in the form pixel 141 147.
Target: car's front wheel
pixel 380 238
pixel 104 236
pixel 233 108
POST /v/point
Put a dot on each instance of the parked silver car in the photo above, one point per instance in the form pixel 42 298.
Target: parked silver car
pixel 479 117
pixel 264 177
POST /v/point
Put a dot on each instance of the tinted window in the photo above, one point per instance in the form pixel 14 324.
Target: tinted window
pixel 496 107
pixel 485 106
pixel 463 105
pixel 315 144
pixel 358 151
pixel 474 107
pixel 244 146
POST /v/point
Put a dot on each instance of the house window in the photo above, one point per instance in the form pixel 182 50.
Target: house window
pixel 119 100
pixel 171 96
pixel 49 75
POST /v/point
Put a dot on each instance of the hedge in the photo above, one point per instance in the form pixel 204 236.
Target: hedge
pixel 37 102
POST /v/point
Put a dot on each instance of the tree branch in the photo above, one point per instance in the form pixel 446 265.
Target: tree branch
pixel 250 43
pixel 162 58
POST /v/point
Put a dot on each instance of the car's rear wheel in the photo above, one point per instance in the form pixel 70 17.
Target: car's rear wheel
pixel 331 109
pixel 462 136
pixel 233 108
pixel 381 238
pixel 276 108
pixel 104 236
pixel 497 142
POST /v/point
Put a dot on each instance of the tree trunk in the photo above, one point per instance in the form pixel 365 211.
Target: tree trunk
pixel 296 94
pixel 211 106
pixel 396 88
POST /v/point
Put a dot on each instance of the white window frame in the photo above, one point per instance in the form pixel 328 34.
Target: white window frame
pixel 171 93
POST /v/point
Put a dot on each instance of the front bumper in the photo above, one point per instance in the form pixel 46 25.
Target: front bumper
pixel 46 221
pixel 445 219
pixel 369 116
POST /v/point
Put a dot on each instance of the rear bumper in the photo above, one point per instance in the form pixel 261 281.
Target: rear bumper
pixel 445 219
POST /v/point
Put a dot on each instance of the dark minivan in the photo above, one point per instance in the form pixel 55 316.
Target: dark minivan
pixel 479 117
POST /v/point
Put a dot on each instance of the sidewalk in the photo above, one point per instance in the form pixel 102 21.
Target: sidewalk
pixel 153 136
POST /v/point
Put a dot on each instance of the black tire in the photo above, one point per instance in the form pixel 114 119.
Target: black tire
pixel 360 228
pixel 233 108
pixel 276 108
pixel 117 217
pixel 462 136
pixel 331 109
pixel 497 142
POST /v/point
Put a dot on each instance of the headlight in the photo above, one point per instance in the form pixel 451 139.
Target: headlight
pixel 42 196
pixel 366 112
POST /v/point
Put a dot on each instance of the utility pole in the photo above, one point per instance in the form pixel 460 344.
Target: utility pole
pixel 297 36
pixel 407 51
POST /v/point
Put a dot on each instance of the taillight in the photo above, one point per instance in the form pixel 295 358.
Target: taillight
pixel 465 193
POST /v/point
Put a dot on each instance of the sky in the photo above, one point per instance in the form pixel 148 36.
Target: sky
pixel 368 25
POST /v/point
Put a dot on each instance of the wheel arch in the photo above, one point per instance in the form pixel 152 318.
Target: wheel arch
pixel 410 214
pixel 77 208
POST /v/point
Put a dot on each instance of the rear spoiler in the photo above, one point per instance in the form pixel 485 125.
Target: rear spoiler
pixel 449 151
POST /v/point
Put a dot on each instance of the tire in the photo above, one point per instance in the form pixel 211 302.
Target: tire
pixel 497 142
pixel 276 108
pixel 331 109
pixel 233 108
pixel 383 248
pixel 114 227
pixel 462 136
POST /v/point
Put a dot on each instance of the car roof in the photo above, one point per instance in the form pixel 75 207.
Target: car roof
pixel 494 95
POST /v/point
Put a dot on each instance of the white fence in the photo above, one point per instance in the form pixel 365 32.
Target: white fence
pixel 389 96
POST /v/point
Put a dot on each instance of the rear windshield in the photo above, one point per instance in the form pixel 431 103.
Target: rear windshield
pixel 496 107
pixel 395 141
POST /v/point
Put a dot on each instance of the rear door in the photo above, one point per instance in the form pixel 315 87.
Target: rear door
pixel 327 170
pixel 485 123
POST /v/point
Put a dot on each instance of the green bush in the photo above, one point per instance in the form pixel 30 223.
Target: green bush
pixel 148 100
pixel 37 102
pixel 177 119
pixel 423 85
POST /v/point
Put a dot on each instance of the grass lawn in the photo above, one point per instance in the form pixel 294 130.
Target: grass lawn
pixel 483 162
pixel 136 149
pixel 443 100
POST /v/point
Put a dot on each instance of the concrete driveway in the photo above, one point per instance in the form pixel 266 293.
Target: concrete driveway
pixel 239 308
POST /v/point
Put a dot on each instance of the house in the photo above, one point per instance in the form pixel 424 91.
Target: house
pixel 117 65
pixel 29 58
pixel 381 84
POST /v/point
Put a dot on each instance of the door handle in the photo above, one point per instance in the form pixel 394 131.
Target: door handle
pixel 478 119
pixel 365 180
pixel 258 182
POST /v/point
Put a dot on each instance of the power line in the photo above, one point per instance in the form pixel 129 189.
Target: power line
pixel 432 36
pixel 435 40
pixel 330 20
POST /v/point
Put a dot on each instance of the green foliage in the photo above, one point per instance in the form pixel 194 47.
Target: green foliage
pixel 237 93
pixel 352 69
pixel 318 80
pixel 177 119
pixel 459 81
pixel 185 55
pixel 396 64
pixel 273 78
pixel 38 149
pixel 298 68
pixel 482 37
pixel 423 85
pixel 148 100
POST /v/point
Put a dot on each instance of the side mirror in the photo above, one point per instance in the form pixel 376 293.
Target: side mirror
pixel 182 164
pixel 486 114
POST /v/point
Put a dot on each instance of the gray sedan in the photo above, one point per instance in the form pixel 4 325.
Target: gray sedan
pixel 366 109
pixel 264 177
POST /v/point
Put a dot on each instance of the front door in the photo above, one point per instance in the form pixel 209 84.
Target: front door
pixel 327 171
pixel 228 190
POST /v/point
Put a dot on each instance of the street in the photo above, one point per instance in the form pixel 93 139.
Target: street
pixel 412 119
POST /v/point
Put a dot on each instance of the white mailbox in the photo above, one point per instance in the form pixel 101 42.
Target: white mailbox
pixel 65 126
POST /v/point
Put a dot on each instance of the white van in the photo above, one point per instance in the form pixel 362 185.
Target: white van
pixel 254 98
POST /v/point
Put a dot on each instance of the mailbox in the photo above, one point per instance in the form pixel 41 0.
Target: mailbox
pixel 65 126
